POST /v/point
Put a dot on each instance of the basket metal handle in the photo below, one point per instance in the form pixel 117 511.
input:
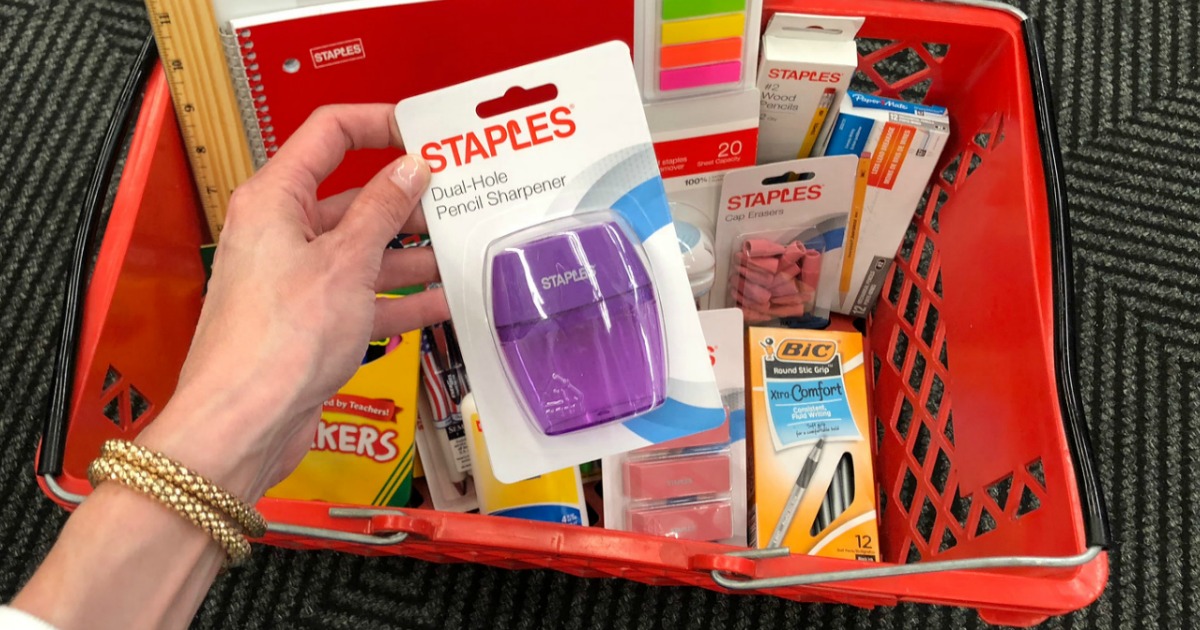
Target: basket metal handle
pixel 384 527
pixel 735 583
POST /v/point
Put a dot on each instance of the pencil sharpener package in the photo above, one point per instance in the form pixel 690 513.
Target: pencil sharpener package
pixel 779 240
pixel 692 488
pixel 813 482
pixel 561 263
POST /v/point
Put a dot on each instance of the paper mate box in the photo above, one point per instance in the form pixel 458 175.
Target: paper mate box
pixel 807 64
pixel 813 488
pixel 561 263
pixel 898 145
pixel 362 452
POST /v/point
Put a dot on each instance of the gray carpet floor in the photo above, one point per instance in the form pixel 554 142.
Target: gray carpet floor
pixel 1127 81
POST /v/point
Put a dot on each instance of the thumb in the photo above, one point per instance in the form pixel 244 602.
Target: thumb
pixel 381 209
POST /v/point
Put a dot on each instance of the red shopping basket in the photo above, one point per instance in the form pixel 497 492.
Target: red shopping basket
pixel 987 493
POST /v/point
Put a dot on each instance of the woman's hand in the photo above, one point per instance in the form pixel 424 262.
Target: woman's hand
pixel 292 305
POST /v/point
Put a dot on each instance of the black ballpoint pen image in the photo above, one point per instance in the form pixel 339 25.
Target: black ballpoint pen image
pixel 797 494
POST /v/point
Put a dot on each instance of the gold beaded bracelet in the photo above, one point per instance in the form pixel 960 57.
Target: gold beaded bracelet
pixel 175 473
pixel 237 548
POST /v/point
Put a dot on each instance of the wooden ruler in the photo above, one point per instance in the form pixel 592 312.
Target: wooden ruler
pixel 206 104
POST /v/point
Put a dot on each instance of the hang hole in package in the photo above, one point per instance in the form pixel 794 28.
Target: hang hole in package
pixel 560 262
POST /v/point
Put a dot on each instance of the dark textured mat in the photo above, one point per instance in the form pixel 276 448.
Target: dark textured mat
pixel 1128 88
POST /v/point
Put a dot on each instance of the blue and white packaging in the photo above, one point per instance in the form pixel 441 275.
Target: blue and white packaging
pixel 899 144
pixel 536 153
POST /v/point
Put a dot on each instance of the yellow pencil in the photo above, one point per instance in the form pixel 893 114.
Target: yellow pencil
pixel 818 123
pixel 854 225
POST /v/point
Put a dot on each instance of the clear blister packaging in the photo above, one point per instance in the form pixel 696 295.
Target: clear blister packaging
pixel 576 318
pixel 683 489
pixel 775 277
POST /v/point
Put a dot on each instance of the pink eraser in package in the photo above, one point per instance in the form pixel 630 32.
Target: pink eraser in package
pixel 690 521
pixel 672 477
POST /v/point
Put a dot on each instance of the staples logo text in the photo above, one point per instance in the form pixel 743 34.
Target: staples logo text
pixel 783 74
pixel 340 52
pixel 790 194
pixel 516 135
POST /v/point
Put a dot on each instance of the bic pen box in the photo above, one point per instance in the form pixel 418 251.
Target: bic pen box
pixel 579 327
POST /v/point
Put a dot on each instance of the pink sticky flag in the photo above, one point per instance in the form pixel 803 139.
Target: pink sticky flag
pixel 769 264
pixel 794 252
pixel 811 273
pixel 762 247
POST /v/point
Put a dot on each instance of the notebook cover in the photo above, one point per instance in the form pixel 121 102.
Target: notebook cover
pixel 389 53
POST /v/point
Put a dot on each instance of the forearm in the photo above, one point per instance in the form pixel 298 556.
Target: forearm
pixel 123 561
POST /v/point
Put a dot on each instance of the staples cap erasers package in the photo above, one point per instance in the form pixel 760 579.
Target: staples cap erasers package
pixel 560 262
pixel 780 237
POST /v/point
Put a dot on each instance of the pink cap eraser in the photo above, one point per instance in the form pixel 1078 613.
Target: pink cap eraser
pixel 784 300
pixel 743 301
pixel 695 521
pixel 793 253
pixel 762 247
pixel 700 76
pixel 769 264
pixel 755 293
pixel 787 310
pixel 811 275
pixel 784 289
pixel 756 276
pixel 677 477
pixel 755 317
pixel 788 271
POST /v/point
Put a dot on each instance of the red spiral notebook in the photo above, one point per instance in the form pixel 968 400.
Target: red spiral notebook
pixel 369 52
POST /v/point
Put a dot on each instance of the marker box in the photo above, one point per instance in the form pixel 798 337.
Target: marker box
pixel 899 144
pixel 813 488
pixel 807 64
pixel 687 48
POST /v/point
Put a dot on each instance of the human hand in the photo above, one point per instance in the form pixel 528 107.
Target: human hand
pixel 291 306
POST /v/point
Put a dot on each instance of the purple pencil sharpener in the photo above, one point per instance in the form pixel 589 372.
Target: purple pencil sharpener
pixel 579 327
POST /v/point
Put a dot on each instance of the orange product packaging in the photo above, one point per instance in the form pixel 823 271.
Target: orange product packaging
pixel 812 487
